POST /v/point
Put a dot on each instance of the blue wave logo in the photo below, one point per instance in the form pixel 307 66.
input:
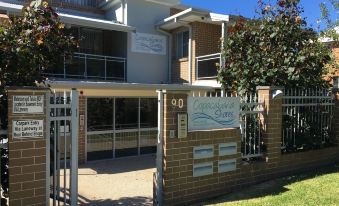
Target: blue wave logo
pixel 201 116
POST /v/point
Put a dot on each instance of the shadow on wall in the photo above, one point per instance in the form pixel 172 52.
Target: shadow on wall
pixel 115 166
pixel 274 187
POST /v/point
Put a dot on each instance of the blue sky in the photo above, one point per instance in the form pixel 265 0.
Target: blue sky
pixel 247 7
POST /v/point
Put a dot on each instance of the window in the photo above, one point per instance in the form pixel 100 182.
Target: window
pixel 91 41
pixel 148 112
pixel 100 114
pixel 126 138
pixel 126 113
pixel 182 44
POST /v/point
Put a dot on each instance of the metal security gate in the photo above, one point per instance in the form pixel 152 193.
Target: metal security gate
pixel 62 147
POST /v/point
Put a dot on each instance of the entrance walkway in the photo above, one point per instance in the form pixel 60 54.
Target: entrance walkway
pixel 126 181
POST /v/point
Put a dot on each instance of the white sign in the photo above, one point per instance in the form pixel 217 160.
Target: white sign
pixel 28 128
pixel 149 43
pixel 28 104
pixel 207 113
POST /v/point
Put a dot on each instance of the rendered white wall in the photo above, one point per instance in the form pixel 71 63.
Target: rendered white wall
pixel 142 67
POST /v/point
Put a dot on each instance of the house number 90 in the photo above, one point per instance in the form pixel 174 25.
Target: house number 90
pixel 178 103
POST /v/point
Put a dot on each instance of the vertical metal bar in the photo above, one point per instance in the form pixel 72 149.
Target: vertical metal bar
pixel 86 128
pixel 245 134
pixel 252 137
pixel 298 110
pixel 197 62
pixel 105 68
pixel 114 129
pixel 74 147
pixel 48 149
pixel 294 113
pixel 125 76
pixel 139 113
pixel 159 159
pixel 86 75
pixel 65 146
pixel 54 152
pixel 257 119
pixel 58 153
pixel 1 144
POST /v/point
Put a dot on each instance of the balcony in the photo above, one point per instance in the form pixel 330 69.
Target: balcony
pixel 207 66
pixel 91 67
pixel 85 5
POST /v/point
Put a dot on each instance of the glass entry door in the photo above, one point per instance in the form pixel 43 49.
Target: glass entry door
pixel 120 127
pixel 100 138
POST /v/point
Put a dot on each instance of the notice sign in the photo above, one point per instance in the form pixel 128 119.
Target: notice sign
pixel 28 128
pixel 30 104
pixel 208 113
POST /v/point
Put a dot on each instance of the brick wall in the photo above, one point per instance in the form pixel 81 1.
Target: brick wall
pixel 205 40
pixel 182 188
pixel 180 71
pixel 27 159
pixel 179 66
pixel 82 130
pixel 335 50
pixel 175 11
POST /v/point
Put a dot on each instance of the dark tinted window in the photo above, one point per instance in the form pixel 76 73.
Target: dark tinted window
pixel 100 114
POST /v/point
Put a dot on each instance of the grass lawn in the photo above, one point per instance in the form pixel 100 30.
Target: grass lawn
pixel 319 187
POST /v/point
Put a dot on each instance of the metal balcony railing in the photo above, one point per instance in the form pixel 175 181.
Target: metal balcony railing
pixel 90 66
pixel 72 3
pixel 207 66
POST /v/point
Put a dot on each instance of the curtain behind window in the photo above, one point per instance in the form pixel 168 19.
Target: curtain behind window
pixel 91 41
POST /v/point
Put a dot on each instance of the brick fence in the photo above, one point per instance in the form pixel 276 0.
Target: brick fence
pixel 27 156
pixel 190 176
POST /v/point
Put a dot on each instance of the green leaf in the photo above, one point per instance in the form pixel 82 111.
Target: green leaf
pixel 291 69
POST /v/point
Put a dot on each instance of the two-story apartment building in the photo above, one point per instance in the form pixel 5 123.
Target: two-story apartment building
pixel 128 50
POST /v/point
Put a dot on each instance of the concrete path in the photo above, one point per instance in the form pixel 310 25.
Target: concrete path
pixel 127 181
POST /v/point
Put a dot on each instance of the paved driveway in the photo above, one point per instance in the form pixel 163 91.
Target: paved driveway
pixel 127 181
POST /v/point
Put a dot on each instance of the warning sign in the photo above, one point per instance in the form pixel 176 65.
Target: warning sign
pixel 28 128
pixel 28 104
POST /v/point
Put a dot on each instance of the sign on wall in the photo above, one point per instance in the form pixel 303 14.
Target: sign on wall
pixel 28 128
pixel 208 113
pixel 182 125
pixel 28 104
pixel 149 43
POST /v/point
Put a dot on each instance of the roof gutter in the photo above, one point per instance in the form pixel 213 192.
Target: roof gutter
pixel 77 20
pixel 62 84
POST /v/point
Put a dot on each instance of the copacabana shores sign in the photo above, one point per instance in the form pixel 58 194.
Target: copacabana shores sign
pixel 208 113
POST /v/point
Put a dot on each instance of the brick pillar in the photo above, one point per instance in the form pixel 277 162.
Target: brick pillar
pixel 82 129
pixel 27 155
pixel 170 123
pixel 271 121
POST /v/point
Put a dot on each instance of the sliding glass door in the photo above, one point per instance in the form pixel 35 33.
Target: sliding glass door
pixel 120 127
pixel 100 128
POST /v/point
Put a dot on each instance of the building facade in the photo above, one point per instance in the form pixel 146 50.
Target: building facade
pixel 128 50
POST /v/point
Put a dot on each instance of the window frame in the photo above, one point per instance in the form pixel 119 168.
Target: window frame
pixel 181 44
